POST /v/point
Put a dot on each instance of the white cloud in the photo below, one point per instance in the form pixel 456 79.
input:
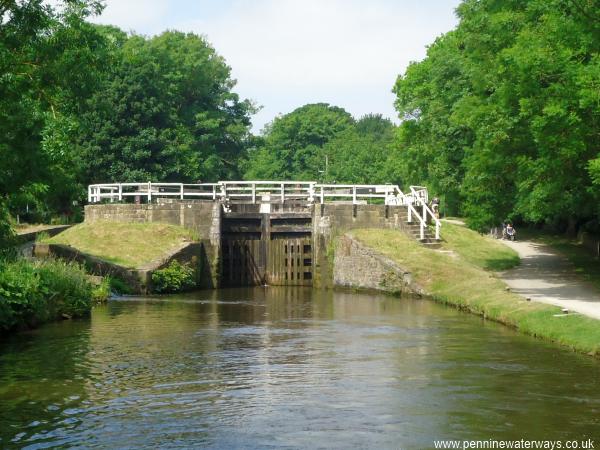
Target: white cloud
pixel 285 53
pixel 144 16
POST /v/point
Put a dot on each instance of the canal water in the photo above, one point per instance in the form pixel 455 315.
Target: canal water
pixel 287 368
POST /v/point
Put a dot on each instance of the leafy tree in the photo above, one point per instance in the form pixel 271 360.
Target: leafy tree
pixel 361 154
pixel 293 143
pixel 47 57
pixel 503 113
pixel 166 112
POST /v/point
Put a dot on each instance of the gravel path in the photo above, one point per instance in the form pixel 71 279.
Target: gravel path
pixel 548 277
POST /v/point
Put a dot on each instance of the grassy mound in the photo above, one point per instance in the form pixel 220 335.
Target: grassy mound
pixel 127 244
pixel 460 278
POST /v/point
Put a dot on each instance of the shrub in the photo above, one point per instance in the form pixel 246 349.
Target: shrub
pixel 35 292
pixel 175 277
pixel 101 292
pixel 119 286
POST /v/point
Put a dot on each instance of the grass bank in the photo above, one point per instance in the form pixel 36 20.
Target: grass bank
pixel 464 278
pixel 128 244
pixel 35 292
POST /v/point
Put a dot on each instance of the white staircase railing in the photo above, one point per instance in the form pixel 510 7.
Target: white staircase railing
pixel 420 196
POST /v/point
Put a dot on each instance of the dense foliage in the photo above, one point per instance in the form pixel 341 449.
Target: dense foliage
pixel 324 143
pixel 165 112
pixel 502 117
pixel 34 293
pixel 176 277
pixel 82 103
pixel 293 143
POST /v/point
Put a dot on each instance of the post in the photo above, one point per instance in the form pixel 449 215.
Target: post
pixel 120 192
pixel 149 191
pixel 282 193
pixel 214 192
pixel 422 229
pixel 354 195
pixel 253 193
pixel 424 210
pixel 322 195
pixel 181 191
pixel 437 229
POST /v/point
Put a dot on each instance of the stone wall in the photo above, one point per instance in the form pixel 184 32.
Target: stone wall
pixel 334 219
pixel 357 266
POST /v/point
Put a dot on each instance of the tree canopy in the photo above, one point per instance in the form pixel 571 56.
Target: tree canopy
pixel 502 117
pixel 293 143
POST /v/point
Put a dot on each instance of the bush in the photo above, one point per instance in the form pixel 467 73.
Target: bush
pixel 32 293
pixel 175 277
pixel 101 292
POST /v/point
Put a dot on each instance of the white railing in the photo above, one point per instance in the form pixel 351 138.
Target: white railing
pixel 275 192
pixel 420 198
pixel 250 191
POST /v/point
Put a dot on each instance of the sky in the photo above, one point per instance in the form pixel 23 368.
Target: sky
pixel 287 53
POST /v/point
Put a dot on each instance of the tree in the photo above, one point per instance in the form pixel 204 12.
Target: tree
pixel 503 113
pixel 361 154
pixel 166 112
pixel 47 57
pixel 293 143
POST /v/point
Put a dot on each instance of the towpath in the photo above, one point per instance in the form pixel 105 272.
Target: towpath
pixel 548 277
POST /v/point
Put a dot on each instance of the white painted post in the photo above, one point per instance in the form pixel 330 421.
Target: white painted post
pixel 322 195
pixel 253 193
pixel 149 191
pixel 214 192
pixel 282 193
pixel 424 211
pixel 422 229
pixel 120 192
pixel 354 195
pixel 181 191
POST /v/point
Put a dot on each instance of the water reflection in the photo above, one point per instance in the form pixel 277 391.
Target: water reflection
pixel 292 368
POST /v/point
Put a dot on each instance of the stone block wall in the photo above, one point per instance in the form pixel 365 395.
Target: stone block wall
pixel 357 266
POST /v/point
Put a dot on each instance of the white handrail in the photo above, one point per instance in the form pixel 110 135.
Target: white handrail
pixel 421 200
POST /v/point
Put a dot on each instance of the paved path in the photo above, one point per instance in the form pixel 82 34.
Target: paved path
pixel 547 276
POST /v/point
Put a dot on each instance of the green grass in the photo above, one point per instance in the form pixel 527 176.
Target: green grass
pixel 462 281
pixel 129 244
pixel 482 251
